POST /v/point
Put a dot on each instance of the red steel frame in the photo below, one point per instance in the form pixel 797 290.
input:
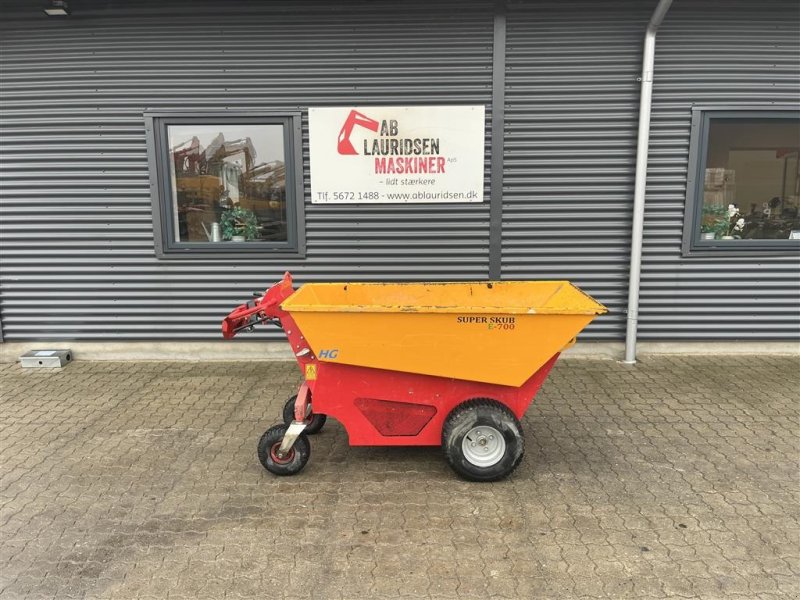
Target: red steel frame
pixel 377 407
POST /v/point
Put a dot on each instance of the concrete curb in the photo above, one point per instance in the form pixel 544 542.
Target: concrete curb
pixel 280 351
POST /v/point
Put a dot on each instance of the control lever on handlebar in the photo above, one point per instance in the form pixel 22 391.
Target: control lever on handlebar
pixel 255 320
pixel 263 307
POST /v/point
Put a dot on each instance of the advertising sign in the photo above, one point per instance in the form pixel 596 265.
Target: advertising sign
pixel 393 154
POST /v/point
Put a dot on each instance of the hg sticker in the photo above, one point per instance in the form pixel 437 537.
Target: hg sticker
pixel 329 354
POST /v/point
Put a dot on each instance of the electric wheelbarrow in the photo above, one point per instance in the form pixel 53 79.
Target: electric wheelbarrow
pixel 417 364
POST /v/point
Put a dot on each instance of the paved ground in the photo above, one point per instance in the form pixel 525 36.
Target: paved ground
pixel 678 478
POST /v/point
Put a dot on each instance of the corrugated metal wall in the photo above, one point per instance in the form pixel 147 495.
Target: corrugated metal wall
pixel 572 103
pixel 708 53
pixel 77 241
pixel 571 120
pixel 77 234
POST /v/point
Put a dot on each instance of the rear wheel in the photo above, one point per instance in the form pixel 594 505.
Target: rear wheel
pixel 482 440
pixel 295 459
pixel 313 424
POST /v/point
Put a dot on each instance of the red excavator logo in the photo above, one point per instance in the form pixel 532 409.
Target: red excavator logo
pixel 345 146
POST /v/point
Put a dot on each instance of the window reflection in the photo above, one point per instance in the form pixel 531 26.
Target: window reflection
pixel 228 183
pixel 751 187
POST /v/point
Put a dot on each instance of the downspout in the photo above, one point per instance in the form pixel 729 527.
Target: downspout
pixel 641 177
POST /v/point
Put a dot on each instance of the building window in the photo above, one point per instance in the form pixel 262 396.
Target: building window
pixel 226 185
pixel 743 189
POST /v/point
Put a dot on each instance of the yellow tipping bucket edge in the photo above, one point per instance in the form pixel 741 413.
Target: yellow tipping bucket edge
pixel 508 297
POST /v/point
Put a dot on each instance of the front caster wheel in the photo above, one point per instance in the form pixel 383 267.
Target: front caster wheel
pixel 313 425
pixel 482 440
pixel 295 459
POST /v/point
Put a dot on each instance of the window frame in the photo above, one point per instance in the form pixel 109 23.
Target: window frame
pixel 692 245
pixel 166 246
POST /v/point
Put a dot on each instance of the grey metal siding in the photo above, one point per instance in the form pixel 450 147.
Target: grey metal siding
pixel 77 240
pixel 737 54
pixel 571 118
pixel 77 237
pixel 570 146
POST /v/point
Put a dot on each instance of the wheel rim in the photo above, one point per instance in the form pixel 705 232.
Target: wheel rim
pixel 483 446
pixel 273 454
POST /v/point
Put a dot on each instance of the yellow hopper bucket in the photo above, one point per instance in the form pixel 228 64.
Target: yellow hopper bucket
pixel 493 332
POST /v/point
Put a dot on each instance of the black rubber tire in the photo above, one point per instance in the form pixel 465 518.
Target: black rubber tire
pixel 482 412
pixel 314 424
pixel 293 463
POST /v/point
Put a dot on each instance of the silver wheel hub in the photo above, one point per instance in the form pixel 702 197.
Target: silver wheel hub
pixel 483 446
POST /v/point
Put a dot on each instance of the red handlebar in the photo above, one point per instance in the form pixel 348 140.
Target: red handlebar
pixel 259 310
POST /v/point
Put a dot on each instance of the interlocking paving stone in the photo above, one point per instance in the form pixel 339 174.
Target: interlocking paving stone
pixel 676 478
